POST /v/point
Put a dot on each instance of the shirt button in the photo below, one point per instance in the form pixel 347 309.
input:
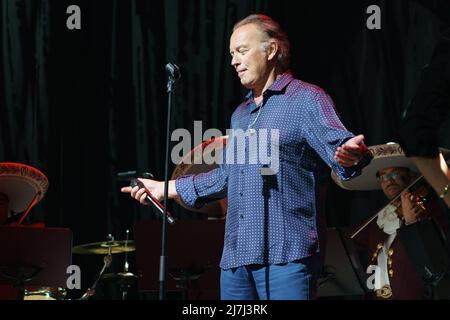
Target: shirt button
pixel 242 171
pixel 241 216
pixel 241 194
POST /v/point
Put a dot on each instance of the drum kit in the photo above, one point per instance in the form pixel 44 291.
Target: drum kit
pixel 22 187
pixel 119 284
pixel 122 282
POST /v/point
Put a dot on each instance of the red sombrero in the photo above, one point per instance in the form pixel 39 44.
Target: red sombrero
pixel 24 185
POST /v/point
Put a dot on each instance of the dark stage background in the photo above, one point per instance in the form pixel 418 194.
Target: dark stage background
pixel 82 105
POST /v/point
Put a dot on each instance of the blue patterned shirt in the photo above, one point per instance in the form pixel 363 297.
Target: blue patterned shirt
pixel 273 219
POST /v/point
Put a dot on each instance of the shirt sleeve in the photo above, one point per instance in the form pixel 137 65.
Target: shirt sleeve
pixel 325 132
pixel 197 190
pixel 418 134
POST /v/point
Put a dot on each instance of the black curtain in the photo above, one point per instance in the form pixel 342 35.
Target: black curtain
pixel 82 105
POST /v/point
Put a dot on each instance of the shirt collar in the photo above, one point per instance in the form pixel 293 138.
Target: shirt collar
pixel 277 86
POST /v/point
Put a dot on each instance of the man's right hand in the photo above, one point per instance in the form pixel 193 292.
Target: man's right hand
pixel 156 188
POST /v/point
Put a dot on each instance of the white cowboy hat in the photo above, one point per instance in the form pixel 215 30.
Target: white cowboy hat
pixel 21 184
pixel 384 156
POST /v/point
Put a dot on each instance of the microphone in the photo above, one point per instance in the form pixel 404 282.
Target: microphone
pixel 173 71
pixel 152 200
pixel 130 175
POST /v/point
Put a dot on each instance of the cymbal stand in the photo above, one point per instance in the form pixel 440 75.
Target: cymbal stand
pixel 106 263
pixel 125 267
pixel 124 288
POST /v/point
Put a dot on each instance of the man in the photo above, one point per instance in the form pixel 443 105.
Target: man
pixel 21 187
pixel 271 246
pixel 430 107
pixel 393 273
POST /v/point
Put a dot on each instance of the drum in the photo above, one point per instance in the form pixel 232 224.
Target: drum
pixel 45 293
pixel 117 286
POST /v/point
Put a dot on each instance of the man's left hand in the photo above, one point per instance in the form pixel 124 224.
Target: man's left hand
pixel 351 151
pixel 410 210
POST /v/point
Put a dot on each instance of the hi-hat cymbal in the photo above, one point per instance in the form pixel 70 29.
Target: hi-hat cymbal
pixel 103 247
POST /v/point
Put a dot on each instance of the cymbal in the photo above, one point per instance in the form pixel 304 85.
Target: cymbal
pixel 194 163
pixel 119 246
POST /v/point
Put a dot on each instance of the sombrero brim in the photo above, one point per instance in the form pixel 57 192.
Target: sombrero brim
pixel 21 183
pixel 385 156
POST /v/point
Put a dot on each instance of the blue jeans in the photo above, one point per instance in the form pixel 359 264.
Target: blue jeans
pixel 287 281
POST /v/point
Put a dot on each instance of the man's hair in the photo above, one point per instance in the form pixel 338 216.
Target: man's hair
pixel 270 30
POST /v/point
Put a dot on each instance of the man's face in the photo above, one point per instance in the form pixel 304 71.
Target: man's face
pixel 249 58
pixel 393 180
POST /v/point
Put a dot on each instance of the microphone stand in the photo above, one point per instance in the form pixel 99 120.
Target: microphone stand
pixel 173 74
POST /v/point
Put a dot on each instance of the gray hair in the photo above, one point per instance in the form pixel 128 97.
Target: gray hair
pixel 271 30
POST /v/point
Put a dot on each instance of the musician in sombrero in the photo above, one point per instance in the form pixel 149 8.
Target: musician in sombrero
pixel 395 276
pixel 21 188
